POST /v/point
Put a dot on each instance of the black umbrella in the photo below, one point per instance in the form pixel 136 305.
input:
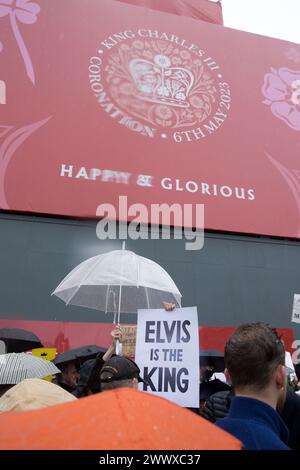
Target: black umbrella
pixel 17 340
pixel 212 386
pixel 82 353
pixel 212 358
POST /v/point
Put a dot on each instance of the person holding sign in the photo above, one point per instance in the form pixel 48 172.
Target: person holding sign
pixel 89 373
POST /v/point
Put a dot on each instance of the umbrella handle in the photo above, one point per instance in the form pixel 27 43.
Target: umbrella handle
pixel 118 348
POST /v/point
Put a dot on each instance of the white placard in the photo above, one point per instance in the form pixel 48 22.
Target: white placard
pixel 289 365
pixel 167 352
pixel 296 309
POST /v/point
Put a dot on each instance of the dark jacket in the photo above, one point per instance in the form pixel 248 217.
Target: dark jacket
pixel 291 416
pixel 217 406
pixel 257 425
pixel 84 377
pixel 89 380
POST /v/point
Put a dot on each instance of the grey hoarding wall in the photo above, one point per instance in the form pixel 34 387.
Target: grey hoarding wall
pixel 233 279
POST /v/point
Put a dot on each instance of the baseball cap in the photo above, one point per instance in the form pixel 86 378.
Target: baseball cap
pixel 119 368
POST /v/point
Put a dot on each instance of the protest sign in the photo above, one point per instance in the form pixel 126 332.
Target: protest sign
pixel 128 340
pixel 167 352
pixel 296 309
pixel 48 354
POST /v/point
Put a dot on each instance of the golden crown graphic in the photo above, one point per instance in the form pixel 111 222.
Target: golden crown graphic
pixel 159 82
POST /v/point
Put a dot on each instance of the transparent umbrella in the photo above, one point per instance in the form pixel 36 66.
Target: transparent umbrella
pixel 119 282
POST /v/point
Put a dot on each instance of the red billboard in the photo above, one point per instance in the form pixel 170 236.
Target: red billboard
pixel 101 99
pixel 204 10
pixel 68 335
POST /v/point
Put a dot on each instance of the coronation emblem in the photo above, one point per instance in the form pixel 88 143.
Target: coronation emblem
pixel 159 88
pixel 159 82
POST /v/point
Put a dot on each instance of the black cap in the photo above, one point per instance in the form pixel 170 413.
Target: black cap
pixel 119 368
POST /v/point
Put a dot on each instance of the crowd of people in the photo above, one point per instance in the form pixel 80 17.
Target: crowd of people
pixel 256 402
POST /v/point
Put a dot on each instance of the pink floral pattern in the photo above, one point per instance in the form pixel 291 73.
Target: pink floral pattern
pixel 281 90
pixel 291 181
pixel 23 11
pixel 293 54
pixel 10 140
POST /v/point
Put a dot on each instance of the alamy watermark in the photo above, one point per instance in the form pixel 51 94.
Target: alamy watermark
pixel 157 221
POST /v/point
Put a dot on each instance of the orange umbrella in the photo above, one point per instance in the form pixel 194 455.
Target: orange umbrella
pixel 120 419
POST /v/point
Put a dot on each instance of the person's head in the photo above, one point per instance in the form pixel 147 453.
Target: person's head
pixel 119 372
pixel 206 372
pixel 69 374
pixel 255 362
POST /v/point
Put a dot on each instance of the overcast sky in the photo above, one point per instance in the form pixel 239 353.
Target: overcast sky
pixel 275 18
